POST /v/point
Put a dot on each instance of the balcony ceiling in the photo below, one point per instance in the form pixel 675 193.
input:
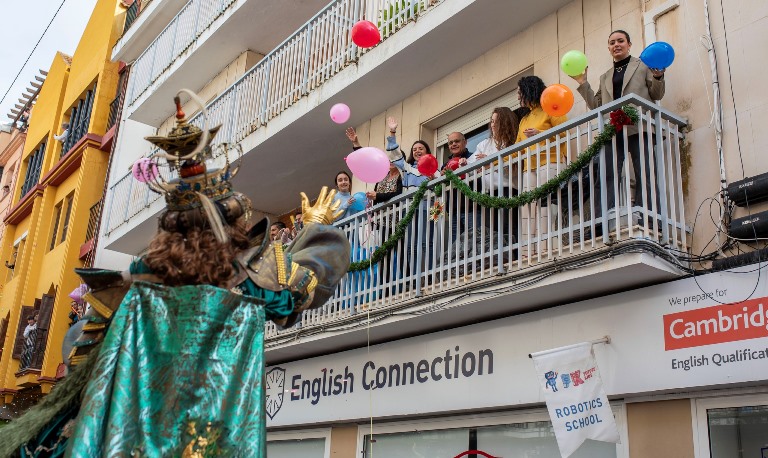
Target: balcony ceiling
pixel 267 22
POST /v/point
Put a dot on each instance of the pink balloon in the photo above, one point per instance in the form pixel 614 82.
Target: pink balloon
pixel 78 293
pixel 368 164
pixel 340 113
pixel 144 170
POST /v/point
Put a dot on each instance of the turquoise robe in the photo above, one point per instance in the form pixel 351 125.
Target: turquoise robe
pixel 180 373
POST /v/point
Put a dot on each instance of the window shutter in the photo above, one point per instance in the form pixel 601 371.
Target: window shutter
pixel 475 118
pixel 26 311
pixel 3 333
pixel 45 312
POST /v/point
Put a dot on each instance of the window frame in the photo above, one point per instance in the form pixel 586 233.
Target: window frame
pixel 485 420
pixel 699 408
pixel 57 221
pixel 69 201
pixel 317 433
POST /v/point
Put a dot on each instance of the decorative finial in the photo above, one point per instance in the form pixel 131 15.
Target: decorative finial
pixel 179 112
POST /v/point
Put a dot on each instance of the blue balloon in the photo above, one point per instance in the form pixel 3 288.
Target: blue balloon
pixel 359 203
pixel 658 55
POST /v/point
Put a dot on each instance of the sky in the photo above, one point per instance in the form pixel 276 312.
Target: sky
pixel 21 25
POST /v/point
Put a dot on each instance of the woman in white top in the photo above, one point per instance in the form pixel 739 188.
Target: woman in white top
pixel 502 181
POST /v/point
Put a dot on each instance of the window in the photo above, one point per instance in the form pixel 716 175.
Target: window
pixel 16 254
pixel 296 448
pixel 735 426
pixel 474 125
pixel 55 232
pixel 67 215
pixel 518 434
pixel 299 444
pixel 34 166
pixel 79 120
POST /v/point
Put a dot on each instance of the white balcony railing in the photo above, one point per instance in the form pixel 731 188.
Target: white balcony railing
pixel 314 53
pixel 500 241
pixel 303 62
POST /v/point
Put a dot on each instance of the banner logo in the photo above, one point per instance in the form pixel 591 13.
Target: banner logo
pixel 274 391
pixel 718 324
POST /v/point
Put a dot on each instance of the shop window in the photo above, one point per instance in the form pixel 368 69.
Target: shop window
pixel 296 448
pixel 735 427
pixel 313 443
pixel 447 443
pixel 519 434
pixel 534 439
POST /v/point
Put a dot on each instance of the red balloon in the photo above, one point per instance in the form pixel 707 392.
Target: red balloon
pixel 557 100
pixel 365 34
pixel 427 165
pixel 453 164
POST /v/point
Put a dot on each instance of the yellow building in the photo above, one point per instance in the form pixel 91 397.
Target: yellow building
pixel 60 184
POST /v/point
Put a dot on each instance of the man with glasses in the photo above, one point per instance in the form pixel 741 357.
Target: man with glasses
pixel 457 146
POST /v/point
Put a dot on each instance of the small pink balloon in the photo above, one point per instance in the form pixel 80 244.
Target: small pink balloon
pixel 144 170
pixel 368 164
pixel 340 113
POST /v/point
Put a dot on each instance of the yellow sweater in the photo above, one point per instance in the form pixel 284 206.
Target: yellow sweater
pixel 539 119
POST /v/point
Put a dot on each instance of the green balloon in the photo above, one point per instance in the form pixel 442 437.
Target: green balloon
pixel 573 63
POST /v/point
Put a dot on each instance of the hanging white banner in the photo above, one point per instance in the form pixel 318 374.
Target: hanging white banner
pixel 576 400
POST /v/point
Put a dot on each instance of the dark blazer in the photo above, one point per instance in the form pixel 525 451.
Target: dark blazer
pixel 638 79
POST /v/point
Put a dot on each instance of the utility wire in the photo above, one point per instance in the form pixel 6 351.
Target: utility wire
pixel 33 50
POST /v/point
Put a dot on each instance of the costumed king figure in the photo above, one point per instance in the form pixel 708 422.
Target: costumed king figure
pixel 170 361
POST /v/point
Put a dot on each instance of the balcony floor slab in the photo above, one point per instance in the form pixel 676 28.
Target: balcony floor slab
pixel 486 300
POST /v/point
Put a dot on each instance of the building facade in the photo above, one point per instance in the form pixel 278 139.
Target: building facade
pixel 54 203
pixel 466 288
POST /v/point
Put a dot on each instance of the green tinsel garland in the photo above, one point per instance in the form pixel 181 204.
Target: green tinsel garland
pixel 399 233
pixel 489 201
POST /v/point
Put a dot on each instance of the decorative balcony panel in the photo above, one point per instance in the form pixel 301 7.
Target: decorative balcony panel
pixel 131 14
pixel 79 120
pixel 34 166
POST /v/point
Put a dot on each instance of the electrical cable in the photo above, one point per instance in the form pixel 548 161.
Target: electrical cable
pixel 33 50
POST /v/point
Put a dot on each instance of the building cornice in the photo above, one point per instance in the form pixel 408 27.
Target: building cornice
pixel 22 209
pixel 70 162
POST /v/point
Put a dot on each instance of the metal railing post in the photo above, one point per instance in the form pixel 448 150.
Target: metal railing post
pixel 659 180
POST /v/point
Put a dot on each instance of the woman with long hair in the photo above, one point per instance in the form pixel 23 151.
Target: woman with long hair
pixel 343 184
pixel 503 125
pixel 539 164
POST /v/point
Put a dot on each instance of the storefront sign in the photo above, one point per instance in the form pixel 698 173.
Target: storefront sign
pixel 678 335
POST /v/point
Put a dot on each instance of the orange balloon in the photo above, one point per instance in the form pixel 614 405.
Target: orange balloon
pixel 557 100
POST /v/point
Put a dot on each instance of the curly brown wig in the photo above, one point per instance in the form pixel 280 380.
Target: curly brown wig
pixel 196 257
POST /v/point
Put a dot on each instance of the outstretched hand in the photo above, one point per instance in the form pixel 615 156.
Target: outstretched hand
pixel 392 124
pixel 351 134
pixel 581 79
pixel 325 209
